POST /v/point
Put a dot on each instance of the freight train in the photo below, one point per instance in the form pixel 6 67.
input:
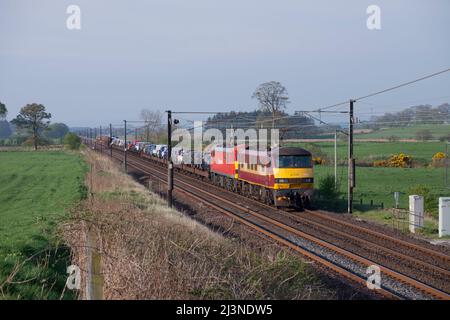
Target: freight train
pixel 281 177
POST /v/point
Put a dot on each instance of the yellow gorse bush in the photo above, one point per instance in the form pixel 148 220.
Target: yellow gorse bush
pixel 439 155
pixel 318 160
pixel 439 160
pixel 396 161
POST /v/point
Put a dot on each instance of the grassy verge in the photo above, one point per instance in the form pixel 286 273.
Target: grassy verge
pixel 385 217
pixel 36 191
pixel 151 252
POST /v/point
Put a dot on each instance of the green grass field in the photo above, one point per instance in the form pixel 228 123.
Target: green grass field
pixel 36 191
pixel 420 151
pixel 407 132
pixel 379 184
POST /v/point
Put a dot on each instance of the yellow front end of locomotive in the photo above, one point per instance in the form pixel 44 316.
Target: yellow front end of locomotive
pixel 293 178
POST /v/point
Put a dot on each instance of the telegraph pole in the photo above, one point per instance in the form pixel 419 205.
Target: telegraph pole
pixel 110 140
pixel 335 159
pixel 101 142
pixel 125 153
pixel 446 164
pixel 351 161
pixel 169 159
pixel 95 139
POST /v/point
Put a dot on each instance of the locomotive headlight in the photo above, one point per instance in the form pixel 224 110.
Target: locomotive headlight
pixel 281 180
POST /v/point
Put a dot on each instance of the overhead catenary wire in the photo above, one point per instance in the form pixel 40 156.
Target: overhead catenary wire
pixel 321 109
pixel 403 84
pixel 405 102
pixel 351 162
pixel 402 120
pixel 387 89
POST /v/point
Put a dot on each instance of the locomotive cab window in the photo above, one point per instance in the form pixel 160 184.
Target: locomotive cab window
pixel 295 162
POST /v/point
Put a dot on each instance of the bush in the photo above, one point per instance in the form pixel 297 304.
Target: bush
pixel 393 138
pixel 424 135
pixel 439 160
pixel 444 138
pixel 439 155
pixel 318 160
pixel 72 141
pixel 395 161
pixel 317 153
pixel 327 188
pixel 41 141
pixel 429 200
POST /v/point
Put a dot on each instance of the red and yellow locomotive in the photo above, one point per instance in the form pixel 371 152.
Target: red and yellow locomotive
pixel 283 176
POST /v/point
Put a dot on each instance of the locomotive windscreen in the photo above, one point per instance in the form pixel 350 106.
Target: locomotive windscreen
pixel 295 162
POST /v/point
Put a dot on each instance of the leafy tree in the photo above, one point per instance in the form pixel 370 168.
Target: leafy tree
pixel 5 129
pixel 272 97
pixel 3 110
pixel 57 130
pixel 72 141
pixel 33 118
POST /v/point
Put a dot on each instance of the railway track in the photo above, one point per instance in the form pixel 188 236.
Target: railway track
pixel 432 273
pixel 266 220
pixel 424 255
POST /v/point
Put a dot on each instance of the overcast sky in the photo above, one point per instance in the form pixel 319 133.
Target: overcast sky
pixel 209 55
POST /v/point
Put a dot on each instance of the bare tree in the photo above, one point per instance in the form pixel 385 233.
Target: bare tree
pixel 153 121
pixel 272 97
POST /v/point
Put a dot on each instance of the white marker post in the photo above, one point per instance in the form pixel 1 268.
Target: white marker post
pixel 444 217
pixel 415 212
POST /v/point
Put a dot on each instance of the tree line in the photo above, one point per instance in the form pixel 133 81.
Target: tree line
pixel 423 114
pixel 272 98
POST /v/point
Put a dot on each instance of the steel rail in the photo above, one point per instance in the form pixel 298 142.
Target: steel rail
pixel 383 236
pixel 392 273
pixel 271 234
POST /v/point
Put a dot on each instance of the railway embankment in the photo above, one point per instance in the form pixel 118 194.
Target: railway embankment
pixel 143 250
